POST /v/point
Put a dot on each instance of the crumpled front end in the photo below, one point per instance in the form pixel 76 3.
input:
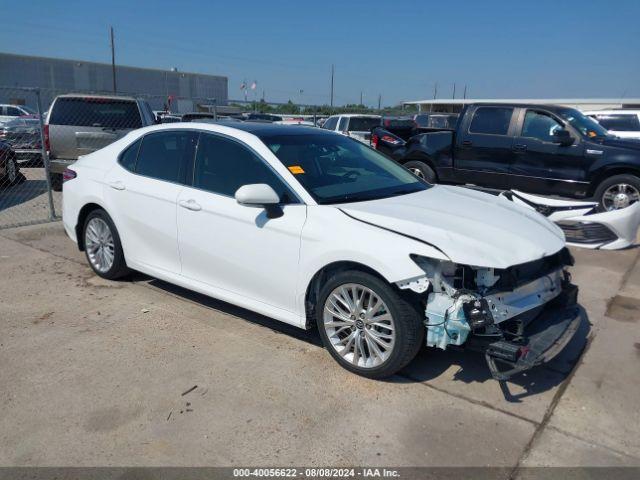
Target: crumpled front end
pixel 519 317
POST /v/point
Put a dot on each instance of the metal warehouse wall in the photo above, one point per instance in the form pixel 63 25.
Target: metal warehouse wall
pixel 55 76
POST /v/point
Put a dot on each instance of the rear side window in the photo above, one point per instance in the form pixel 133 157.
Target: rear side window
pixel 129 156
pixel 342 125
pixel 620 122
pixel 362 124
pixel 167 155
pixel 491 120
pixel 96 112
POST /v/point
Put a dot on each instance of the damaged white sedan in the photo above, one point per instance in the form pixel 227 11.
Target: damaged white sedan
pixel 314 228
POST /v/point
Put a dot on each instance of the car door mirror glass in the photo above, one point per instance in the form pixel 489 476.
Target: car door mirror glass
pixel 257 195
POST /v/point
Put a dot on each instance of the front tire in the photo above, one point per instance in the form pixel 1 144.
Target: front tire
pixel 421 170
pixel 102 246
pixel 367 326
pixel 12 174
pixel 617 192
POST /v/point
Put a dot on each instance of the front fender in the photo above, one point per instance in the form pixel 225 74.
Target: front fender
pixel 331 236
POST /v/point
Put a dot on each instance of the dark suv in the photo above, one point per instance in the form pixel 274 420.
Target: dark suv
pixel 78 124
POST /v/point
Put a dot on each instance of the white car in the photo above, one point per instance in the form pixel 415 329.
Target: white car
pixel 314 228
pixel 621 123
pixel 8 112
pixel 354 125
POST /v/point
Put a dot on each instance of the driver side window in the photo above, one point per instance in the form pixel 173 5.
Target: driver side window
pixel 224 165
pixel 540 126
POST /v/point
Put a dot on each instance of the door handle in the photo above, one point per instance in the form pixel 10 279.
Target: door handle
pixel 519 147
pixel 190 204
pixel 467 143
pixel 117 185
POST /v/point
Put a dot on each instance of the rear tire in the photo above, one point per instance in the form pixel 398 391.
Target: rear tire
pixel 102 246
pixel 389 334
pixel 12 172
pixel 617 192
pixel 421 170
pixel 56 182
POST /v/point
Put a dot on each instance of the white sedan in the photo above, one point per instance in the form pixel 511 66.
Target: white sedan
pixel 314 228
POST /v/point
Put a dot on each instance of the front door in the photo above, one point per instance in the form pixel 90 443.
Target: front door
pixel 232 247
pixel 541 165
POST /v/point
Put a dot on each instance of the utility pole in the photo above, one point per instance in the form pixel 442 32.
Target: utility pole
pixel 379 100
pixel 454 90
pixel 113 61
pixel 465 92
pixel 332 71
pixel 435 90
pixel 361 97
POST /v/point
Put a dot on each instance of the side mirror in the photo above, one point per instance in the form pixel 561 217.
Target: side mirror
pixel 260 195
pixel 257 195
pixel 562 137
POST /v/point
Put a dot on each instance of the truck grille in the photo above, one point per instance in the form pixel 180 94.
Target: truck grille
pixel 587 232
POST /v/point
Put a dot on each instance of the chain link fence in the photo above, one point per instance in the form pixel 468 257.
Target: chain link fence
pixel 26 196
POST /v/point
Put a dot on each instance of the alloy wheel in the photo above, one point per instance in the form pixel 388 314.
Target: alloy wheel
pixel 417 172
pixel 99 244
pixel 619 195
pixel 359 325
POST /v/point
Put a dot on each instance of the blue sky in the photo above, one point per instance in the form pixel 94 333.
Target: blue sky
pixel 398 49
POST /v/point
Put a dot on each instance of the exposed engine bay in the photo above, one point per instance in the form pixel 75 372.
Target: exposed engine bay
pixel 494 310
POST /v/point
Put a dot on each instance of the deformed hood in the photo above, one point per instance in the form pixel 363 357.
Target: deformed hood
pixel 470 227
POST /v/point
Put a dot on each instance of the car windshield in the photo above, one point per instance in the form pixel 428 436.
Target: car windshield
pixel 363 124
pixel 338 169
pixel 585 125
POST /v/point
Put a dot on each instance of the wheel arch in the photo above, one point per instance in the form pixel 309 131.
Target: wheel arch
pixel 82 216
pixel 610 172
pixel 320 277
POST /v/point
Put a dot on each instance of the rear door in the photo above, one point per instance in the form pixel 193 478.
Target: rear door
pixel 141 194
pixel 483 150
pixel 81 125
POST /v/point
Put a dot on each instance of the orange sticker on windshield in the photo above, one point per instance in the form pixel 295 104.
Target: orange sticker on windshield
pixel 296 169
pixel 592 134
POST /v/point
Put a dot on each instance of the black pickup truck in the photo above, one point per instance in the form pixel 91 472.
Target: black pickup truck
pixel 545 149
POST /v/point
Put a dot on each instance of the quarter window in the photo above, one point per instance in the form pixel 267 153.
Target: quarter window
pixel 224 165
pixel 539 125
pixel 491 120
pixel 129 156
pixel 167 155
pixel 342 126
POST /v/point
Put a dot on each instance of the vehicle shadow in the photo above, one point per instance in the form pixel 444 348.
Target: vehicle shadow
pixel 309 336
pixel 22 192
pixel 430 365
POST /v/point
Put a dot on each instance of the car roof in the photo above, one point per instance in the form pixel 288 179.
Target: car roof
pixel 368 115
pixel 96 95
pixel 550 107
pixel 612 112
pixel 271 129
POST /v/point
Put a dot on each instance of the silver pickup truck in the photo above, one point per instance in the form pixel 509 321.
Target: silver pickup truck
pixel 78 124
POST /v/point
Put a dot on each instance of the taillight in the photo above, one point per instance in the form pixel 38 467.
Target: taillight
pixel 68 174
pixel 374 141
pixel 47 146
pixel 390 139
